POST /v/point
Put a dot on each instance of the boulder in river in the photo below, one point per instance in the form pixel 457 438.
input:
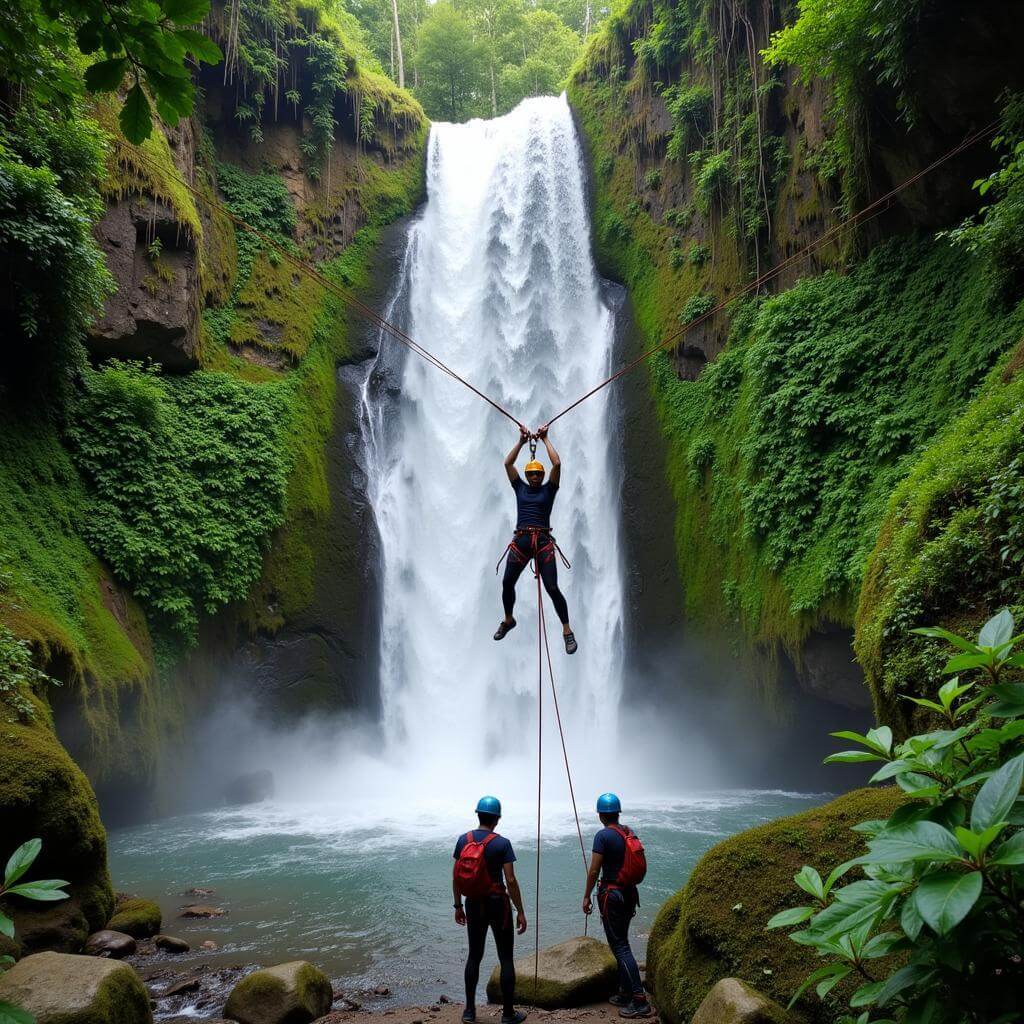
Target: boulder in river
pixel 732 1001
pixel 171 944
pixel 573 973
pixel 292 993
pixel 61 988
pixel 111 944
pixel 201 910
pixel 250 788
pixel 136 917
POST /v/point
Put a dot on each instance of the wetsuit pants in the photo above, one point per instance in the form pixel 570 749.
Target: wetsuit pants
pixel 492 912
pixel 617 909
pixel 518 559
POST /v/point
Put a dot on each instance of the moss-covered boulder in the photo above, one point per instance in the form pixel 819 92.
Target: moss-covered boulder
pixel 733 1002
pixel 293 993
pixel 714 928
pixel 573 973
pixel 43 793
pixel 136 917
pixel 57 988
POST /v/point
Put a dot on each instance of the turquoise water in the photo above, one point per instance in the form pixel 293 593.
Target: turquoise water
pixel 369 901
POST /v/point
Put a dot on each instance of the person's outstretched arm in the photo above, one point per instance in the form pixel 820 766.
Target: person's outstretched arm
pixel 515 896
pixel 556 462
pixel 510 459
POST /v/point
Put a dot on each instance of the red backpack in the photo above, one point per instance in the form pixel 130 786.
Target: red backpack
pixel 471 875
pixel 634 864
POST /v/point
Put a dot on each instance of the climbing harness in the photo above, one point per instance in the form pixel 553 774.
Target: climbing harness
pixel 547 550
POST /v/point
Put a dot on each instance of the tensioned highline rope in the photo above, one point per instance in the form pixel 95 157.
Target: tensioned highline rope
pixel 352 300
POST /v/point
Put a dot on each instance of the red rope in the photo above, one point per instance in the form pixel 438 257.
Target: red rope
pixel 540 761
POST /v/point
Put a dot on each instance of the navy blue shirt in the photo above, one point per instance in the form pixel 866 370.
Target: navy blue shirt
pixel 497 853
pixel 533 504
pixel 612 846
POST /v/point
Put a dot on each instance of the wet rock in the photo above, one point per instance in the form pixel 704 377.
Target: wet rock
pixel 443 999
pixel 208 944
pixel 199 891
pixel 202 910
pixel 573 973
pixel 109 943
pixel 171 944
pixel 732 1001
pixel 250 788
pixel 382 990
pixel 292 993
pixel 178 988
pixel 135 916
pixel 61 988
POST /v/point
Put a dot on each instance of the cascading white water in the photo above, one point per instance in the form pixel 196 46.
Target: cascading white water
pixel 498 281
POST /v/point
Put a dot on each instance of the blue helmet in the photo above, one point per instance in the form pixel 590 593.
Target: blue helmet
pixel 608 803
pixel 489 805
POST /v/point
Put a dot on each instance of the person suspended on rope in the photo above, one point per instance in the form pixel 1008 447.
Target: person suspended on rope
pixel 532 538
pixel 484 874
pixel 618 857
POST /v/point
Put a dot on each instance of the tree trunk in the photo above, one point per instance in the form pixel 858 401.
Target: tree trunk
pixel 586 21
pixel 398 45
pixel 494 95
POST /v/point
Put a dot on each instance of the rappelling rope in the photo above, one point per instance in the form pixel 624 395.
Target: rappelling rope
pixel 352 300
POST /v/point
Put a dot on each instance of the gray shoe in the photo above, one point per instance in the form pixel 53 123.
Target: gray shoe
pixel 570 643
pixel 517 1018
pixel 636 1009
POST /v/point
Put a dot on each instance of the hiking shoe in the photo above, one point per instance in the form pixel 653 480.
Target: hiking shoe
pixel 636 1009
pixel 469 1017
pixel 620 999
pixel 503 629
pixel 516 1018
pixel 570 643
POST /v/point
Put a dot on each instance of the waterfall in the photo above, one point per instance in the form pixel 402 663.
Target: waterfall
pixel 498 281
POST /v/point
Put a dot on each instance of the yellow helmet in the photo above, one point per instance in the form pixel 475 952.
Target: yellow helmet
pixel 533 466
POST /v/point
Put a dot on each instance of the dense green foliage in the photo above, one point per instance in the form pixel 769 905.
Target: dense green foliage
pixel 186 482
pixel 942 872
pixel 147 42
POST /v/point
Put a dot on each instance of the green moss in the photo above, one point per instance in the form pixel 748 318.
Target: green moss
pixel 44 794
pixel 714 928
pixel 950 547
pixel 137 917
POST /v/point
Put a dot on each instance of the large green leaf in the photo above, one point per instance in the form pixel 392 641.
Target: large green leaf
pixel 855 905
pixel 21 860
pixel 922 840
pixel 828 971
pixel 10 1014
pixel 1010 853
pixel 997 631
pixel 904 978
pixel 106 75
pixel 945 898
pixel 136 119
pixel 201 47
pixel 944 634
pixel 786 918
pixel 997 796
pixel 186 12
pixel 6 925
pixel 910 919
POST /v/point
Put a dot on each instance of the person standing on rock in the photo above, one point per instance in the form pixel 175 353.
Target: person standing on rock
pixel 485 875
pixel 618 857
pixel 532 538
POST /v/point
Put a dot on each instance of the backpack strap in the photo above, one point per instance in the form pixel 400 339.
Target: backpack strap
pixel 623 830
pixel 487 838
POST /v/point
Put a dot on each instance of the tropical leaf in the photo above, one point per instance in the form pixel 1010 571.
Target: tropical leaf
pixel 945 898
pixel 21 860
pixel 997 796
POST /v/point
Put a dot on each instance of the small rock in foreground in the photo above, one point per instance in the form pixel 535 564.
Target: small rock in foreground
pixel 61 988
pixel 136 917
pixel 293 993
pixel 202 910
pixel 171 944
pixel 573 973
pixel 732 1001
pixel 109 943
pixel 177 988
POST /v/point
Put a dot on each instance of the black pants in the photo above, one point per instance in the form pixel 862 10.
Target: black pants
pixel 518 559
pixel 492 912
pixel 617 909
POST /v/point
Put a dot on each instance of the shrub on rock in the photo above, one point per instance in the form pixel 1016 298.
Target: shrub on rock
pixel 58 988
pixel 714 928
pixel 573 973
pixel 292 993
pixel 136 917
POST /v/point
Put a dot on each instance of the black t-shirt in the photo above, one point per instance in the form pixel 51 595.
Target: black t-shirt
pixel 609 843
pixel 497 853
pixel 533 504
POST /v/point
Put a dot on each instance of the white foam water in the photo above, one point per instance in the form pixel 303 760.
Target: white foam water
pixel 498 281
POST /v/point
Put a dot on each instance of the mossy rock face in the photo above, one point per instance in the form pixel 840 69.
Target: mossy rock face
pixel 136 917
pixel 44 794
pixel 715 927
pixel 573 973
pixel 292 993
pixel 57 988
